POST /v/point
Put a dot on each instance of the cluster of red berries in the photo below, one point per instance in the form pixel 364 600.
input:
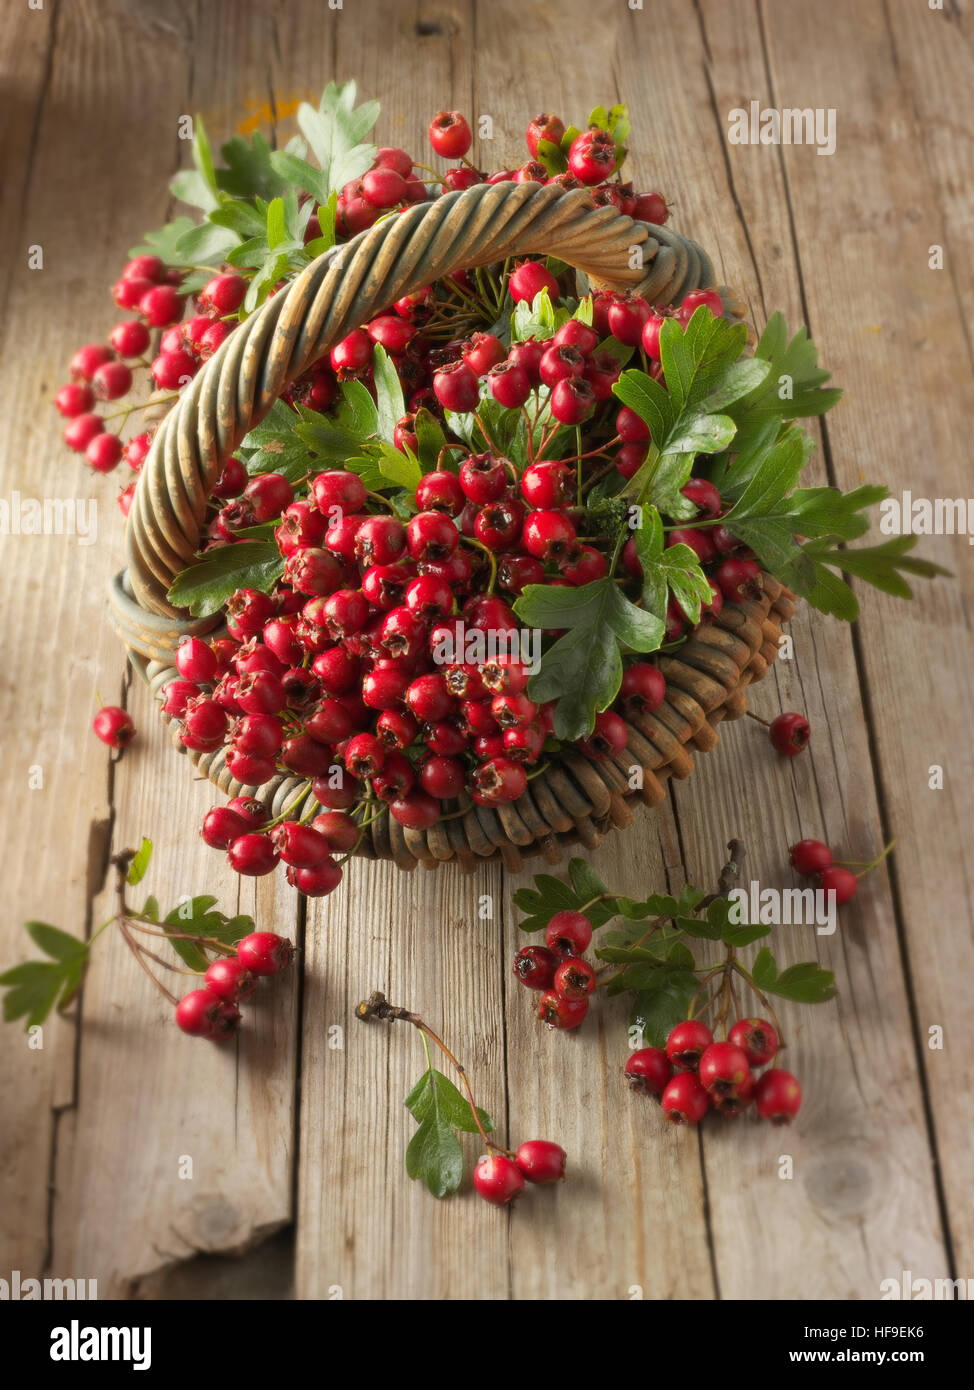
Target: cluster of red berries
pixel 696 1074
pixel 813 859
pixel 559 969
pixel 500 1177
pixel 212 1012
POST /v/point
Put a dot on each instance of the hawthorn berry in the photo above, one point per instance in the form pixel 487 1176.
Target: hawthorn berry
pixel 264 952
pixel 575 979
pixel 756 1038
pixel 440 492
pixel 778 1096
pixel 203 1014
pixel 840 881
pixel 221 826
pixel 723 1067
pixel 810 857
pixel 316 882
pixel 540 1161
pixel 643 688
pixel 684 1100
pixel 228 978
pixel 558 1012
pixel 88 359
pixel 129 339
pixel 608 738
pixel 498 1179
pixel 417 810
pixel 648 1070
pixel 81 430
pixel 498 781
pixel 113 726
pixel 450 135
pixel 569 933
pixel 686 1044
pixel 572 400
pixel 790 734
pixel 104 452
pixel 76 398
pixel 535 967
pixel 457 387
pixel 253 855
pixel 739 580
pixel 529 279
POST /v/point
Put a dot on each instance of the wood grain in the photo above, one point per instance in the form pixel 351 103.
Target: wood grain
pixel 303 1121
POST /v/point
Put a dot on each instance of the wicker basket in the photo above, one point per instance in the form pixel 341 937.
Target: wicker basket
pixel 576 800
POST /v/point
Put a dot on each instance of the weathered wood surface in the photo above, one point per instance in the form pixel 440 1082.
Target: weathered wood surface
pixel 304 1124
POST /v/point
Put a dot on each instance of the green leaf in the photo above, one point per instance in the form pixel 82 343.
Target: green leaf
pixel 276 226
pixel 335 132
pixel 585 880
pixel 205 588
pixel 250 171
pixel 552 157
pixel 583 669
pixel 550 895
pixel 430 441
pixel 150 908
pixel 140 862
pixel 696 359
pixel 32 991
pixel 763 515
pixel 198 186
pixel 794 370
pixel 193 918
pixel 673 568
pixel 657 1011
pixel 298 173
pixel 764 971
pixel 434 1091
pixel 390 404
pixel 399 468
pixel 165 241
pixel 206 242
pixel 60 945
pixel 807 983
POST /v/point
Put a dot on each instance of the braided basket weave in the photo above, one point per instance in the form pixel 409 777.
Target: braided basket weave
pixel 574 800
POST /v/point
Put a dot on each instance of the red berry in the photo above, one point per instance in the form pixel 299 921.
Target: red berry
pixel 391 332
pixel 429 698
pixel 739 580
pixel 723 1067
pixel 338 829
pixel 842 882
pixel 695 299
pixel 300 845
pixel 417 810
pixel 684 1100
pixel 630 427
pixel 543 127
pixel 498 780
pixel 650 207
pixel 575 979
pixel 498 1179
pixel 203 1014
pixel 253 855
pixel 229 979
pixel 578 335
pixel 383 187
pixel 513 711
pixel 483 351
pixel 572 400
pixel 790 734
pixel 650 336
pixel 104 452
pixel 82 430
pixel 483 478
pixel 535 967
pixel 756 1038
pixel 529 279
pixel 221 826
pixel 196 660
pixel 528 354
pixel 591 161
pixel 686 1044
pixel 541 1161
pixel 558 1012
pixel 461 177
pixel 254 812
pixel 559 362
pixel 608 738
pixel 602 371
pixel 704 495
pixel 457 387
pixel 450 135
pixel 161 306
pixel 569 933
pixel 431 536
pixel 317 882
pixel 648 1070
pixel 392 157
pixel 224 293
pixel 643 688
pixel 547 535
pixel 74 399
pixel 627 317
pixel 338 492
pixel 265 953
pixel 113 726
pixel 440 492
pixel 509 384
pixel 144 268
pixel 172 370
pixel 88 359
pixel 129 339
pixel 810 857
pixel 778 1096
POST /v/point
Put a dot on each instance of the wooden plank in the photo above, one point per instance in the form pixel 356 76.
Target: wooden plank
pixel 905 323
pixel 148 1097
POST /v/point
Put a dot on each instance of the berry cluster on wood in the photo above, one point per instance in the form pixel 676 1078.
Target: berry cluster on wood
pixel 212 1011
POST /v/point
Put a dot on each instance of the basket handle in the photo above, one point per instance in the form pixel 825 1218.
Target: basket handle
pixel 345 287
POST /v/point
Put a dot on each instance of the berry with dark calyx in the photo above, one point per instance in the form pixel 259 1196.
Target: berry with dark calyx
pixel 299 845
pixel 396 728
pixel 104 452
pixel 529 279
pixel 739 580
pixel 260 692
pixel 221 826
pixel 516 571
pixel 541 1161
pixel 509 384
pixel 498 525
pixel 450 135
pixel 498 781
pixel 810 857
pixel 535 967
pixel 608 738
pixel 431 536
pixel 543 127
pixel 483 478
pixel 591 161
pixel 569 933
pixel 231 482
pixel 498 1179
pixel 627 317
pixel 177 693
pixel 558 1012
pixel 686 1044
pixel 254 812
pixel 756 1038
pixel 643 688
pixel 524 744
pixel 789 734
pixel 313 571
pixel 559 362
pixel 548 534
pixel 572 400
pixel 352 354
pixel 316 882
pixel 723 1067
pixel 76 398
pixel 457 387
pixel 838 880
pixel 365 755
pixel 483 351
pixel 229 979
pixel 346 612
pixel 513 711
pixel 252 854
pixel 575 979
pixel 113 725
pixel 703 495
pixel 648 1070
pixel 440 492
pixel 778 1096
pixel 203 1014
pixel 224 293
pixel 602 371
pixel 196 660
pixel 265 953
pixel 684 1100
pixel 651 207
